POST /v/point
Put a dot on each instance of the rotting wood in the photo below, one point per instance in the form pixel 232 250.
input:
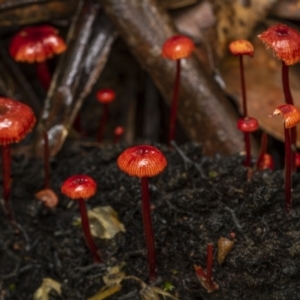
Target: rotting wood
pixel 204 112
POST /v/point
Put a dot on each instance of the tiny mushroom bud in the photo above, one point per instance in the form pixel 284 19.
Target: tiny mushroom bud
pixel 104 96
pixel 16 120
pixel 291 117
pixel 48 197
pixel 36 44
pixel 118 132
pixel 176 48
pixel 144 161
pixel 81 188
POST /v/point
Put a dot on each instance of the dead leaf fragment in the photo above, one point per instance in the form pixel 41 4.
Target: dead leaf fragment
pixel 42 293
pixel 104 222
pixel 114 276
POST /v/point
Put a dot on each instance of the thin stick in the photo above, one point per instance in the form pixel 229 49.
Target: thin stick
pixel 103 122
pixel 288 170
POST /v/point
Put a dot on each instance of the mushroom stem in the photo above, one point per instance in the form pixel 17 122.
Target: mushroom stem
pixel 243 86
pixel 209 263
pixel 247 148
pixel 288 170
pixel 289 100
pixel 148 228
pixel 43 74
pixel 103 122
pixel 174 102
pixel 263 150
pixel 46 160
pixel 87 232
pixel 6 170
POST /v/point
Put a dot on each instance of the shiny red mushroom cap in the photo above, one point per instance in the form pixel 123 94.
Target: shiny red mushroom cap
pixel 16 120
pixel 79 187
pixel 241 47
pixel 105 96
pixel 36 44
pixel 142 161
pixel 290 114
pixel 247 124
pixel 284 41
pixel 177 47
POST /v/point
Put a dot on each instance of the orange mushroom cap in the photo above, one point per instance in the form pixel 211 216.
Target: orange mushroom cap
pixel 142 161
pixel 79 187
pixel 36 44
pixel 177 47
pixel 16 120
pixel 241 47
pixel 290 114
pixel 247 124
pixel 105 96
pixel 285 42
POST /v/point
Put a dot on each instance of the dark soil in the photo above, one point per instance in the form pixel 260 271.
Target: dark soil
pixel 193 204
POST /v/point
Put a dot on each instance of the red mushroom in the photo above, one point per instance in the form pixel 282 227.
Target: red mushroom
pixel 104 96
pixel 144 161
pixel 16 120
pixel 176 48
pixel 81 188
pixel 265 160
pixel 36 44
pixel 285 43
pixel 291 117
pixel 118 132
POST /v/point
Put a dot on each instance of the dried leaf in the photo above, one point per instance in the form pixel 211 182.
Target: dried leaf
pixel 42 293
pixel 104 222
pixel 114 276
pixel 103 294
pixel 263 84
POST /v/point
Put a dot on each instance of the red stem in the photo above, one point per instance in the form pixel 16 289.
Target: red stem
pixel 174 103
pixel 116 138
pixel 46 160
pixel 43 74
pixel 288 170
pixel 6 170
pixel 148 228
pixel 103 122
pixel 87 232
pixel 289 100
pixel 209 263
pixel 245 112
pixel 263 149
pixel 248 149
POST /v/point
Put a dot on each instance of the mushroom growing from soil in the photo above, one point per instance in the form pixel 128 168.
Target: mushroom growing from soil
pixel 285 43
pixel 176 48
pixel 291 117
pixel 36 44
pixel 81 188
pixel 118 132
pixel 144 161
pixel 104 96
pixel 246 125
pixel 16 120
